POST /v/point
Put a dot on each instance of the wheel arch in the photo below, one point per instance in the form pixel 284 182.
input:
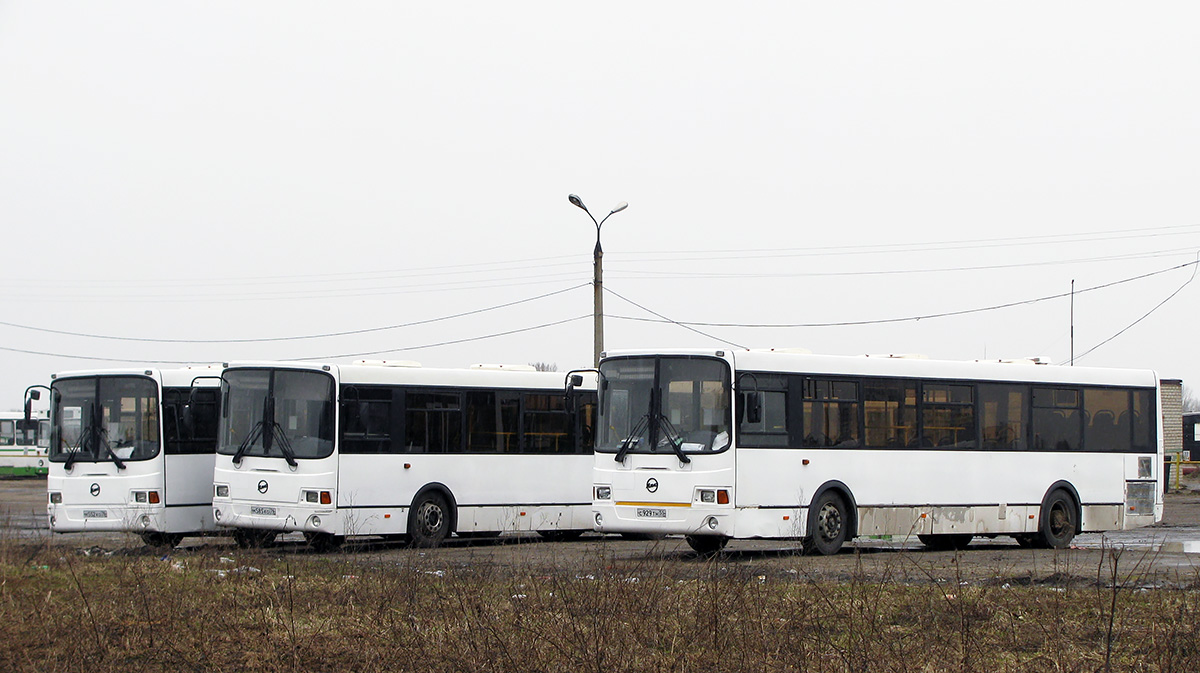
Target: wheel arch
pixel 842 490
pixel 444 491
pixel 1068 488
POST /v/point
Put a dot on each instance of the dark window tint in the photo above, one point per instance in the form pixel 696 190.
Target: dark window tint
pixel 1004 420
pixel 492 420
pixel 890 412
pixel 771 393
pixel 830 413
pixel 1057 422
pixel 368 418
pixel 434 423
pixel 948 416
pixel 1107 421
pixel 547 425
pixel 1143 413
pixel 190 420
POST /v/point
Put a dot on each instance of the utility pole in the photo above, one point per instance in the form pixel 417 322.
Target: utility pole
pixel 597 277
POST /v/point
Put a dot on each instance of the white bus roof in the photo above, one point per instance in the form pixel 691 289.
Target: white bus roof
pixel 1016 371
pixel 180 377
pixel 374 374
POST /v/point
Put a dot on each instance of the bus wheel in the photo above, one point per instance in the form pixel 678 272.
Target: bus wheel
pixel 707 545
pixel 1058 525
pixel 946 541
pixel 324 542
pixel 829 521
pixel 164 540
pixel 252 539
pixel 429 521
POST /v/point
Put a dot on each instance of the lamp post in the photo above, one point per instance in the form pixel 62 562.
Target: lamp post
pixel 597 275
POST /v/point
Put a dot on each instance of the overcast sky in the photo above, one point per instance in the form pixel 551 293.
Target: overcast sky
pixel 205 179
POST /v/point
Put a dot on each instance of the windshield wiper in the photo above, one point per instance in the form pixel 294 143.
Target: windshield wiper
pixel 632 439
pixel 247 442
pixel 673 438
pixel 102 434
pixel 285 446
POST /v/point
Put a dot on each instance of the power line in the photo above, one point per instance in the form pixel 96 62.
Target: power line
pixel 323 357
pixel 644 274
pixel 675 322
pixel 446 343
pixel 966 244
pixel 928 316
pixel 294 338
pixel 1147 314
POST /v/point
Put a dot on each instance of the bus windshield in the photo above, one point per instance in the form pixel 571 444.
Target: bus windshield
pixel 664 404
pixel 281 413
pixel 104 418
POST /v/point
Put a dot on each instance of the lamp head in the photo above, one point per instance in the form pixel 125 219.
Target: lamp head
pixel 619 207
pixel 576 201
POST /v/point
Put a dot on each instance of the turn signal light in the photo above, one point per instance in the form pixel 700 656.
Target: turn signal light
pixel 326 498
pixel 722 497
pixel 154 497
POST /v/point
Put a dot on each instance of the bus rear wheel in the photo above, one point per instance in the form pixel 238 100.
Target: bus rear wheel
pixel 162 540
pixel 707 545
pixel 946 541
pixel 828 525
pixel 1059 521
pixel 429 521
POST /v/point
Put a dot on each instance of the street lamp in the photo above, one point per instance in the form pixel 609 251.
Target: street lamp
pixel 597 275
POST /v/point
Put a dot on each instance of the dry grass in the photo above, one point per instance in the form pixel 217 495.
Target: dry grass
pixel 61 610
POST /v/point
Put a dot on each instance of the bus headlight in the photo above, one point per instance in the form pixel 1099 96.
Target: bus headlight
pixel 603 492
pixel 712 522
pixel 719 496
pixel 315 521
pixel 145 521
pixel 222 490
pixel 599 520
pixel 55 498
pixel 318 497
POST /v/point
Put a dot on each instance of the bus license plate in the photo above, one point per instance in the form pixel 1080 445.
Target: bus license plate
pixel 651 513
pixel 262 511
pixel 95 514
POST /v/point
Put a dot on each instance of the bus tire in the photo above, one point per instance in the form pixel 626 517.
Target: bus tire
pixel 1059 521
pixel 946 541
pixel 707 545
pixel 162 540
pixel 248 538
pixel 828 525
pixel 429 520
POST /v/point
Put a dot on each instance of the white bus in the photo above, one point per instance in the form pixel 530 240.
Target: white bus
pixel 133 450
pixel 24 443
pixel 719 445
pixel 400 451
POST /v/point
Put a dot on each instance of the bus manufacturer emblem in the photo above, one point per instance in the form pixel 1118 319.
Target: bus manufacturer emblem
pixel 652 484
pixel 94 490
pixel 262 486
